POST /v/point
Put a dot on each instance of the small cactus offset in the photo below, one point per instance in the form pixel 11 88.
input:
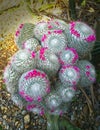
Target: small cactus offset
pixel 81 37
pixel 23 60
pixel 11 77
pixel 87 72
pixel 55 40
pixel 57 24
pixel 33 85
pixel 53 101
pixel 69 75
pixel 31 44
pixel 48 62
pixel 68 56
pixel 18 100
pixel 44 80
pixel 23 33
pixel 40 29
pixel 65 91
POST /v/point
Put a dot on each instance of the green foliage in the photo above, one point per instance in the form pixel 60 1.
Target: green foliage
pixel 72 8
pixel 66 125
pixel 1 127
pixel 59 123
pixel 46 6
pixel 4 86
pixel 83 3
pixel 98 76
pixel 97 0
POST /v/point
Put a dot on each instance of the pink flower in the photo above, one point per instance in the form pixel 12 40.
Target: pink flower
pixel 58 31
pixel 42 112
pixel 29 107
pixel 39 99
pixel 78 35
pixel 61 113
pixel 75 58
pixel 17 32
pixel 49 32
pixel 21 26
pixel 90 38
pixel 28 98
pixel 22 93
pixel 44 37
pixel 87 73
pixel 38 74
pixel 48 89
pixel 92 79
pixel 30 74
pixel 33 54
pixel 43 58
pixel 43 75
pixel 74 82
pixel 57 23
pixel 76 68
pixel 50 27
pixel 26 77
pixel 88 66
pixel 61 62
pixel 74 88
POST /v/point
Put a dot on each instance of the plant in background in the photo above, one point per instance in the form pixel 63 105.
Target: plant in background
pixel 45 81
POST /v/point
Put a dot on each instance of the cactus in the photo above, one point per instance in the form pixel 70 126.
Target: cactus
pixel 40 29
pixel 81 37
pixel 23 33
pixel 58 63
pixel 55 40
pixel 18 100
pixel 69 75
pixel 87 72
pixel 53 101
pixel 66 92
pixel 35 108
pixel 47 61
pixel 23 60
pixel 31 44
pixel 33 85
pixel 68 56
pixel 57 24
pixel 11 78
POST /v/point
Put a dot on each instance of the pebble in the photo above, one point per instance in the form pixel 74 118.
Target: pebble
pixel 72 117
pixel 24 112
pixel 36 117
pixel 5 116
pixel 27 119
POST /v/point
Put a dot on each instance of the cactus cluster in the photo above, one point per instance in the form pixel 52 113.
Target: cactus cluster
pixel 45 79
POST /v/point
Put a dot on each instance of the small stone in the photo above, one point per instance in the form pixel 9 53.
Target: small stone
pixel 33 124
pixel 36 117
pixel 4 122
pixel 24 112
pixel 5 117
pixel 27 119
pixel 76 108
pixel 72 117
pixel 7 127
pixel 16 123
